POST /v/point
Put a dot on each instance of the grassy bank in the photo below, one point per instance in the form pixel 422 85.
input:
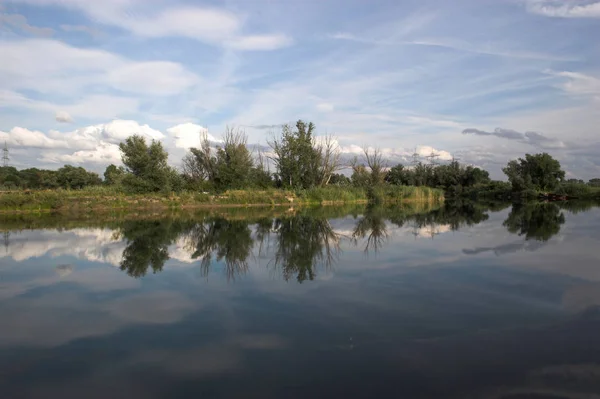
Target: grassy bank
pixel 109 198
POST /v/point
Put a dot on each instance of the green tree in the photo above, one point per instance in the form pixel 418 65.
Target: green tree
pixel 146 166
pixel 360 175
pixel 296 159
pixel 338 179
pixel 537 172
pixel 234 162
pixel 114 175
pixel 9 177
pixel 72 177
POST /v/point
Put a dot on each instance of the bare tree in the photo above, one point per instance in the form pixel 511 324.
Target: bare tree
pixel 376 163
pixel 329 158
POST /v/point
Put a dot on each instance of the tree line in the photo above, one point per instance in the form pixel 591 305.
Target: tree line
pixel 300 161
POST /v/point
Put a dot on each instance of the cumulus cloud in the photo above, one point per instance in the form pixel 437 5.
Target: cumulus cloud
pixel 188 135
pixel 103 154
pixel 564 8
pixel 24 138
pixel 532 138
pixel 63 117
pixel 96 144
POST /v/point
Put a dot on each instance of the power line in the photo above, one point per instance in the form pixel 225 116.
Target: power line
pixel 433 158
pixel 415 157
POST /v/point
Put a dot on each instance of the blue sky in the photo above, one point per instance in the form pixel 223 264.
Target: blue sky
pixel 483 80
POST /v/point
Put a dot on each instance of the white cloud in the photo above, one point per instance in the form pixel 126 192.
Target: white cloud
pixel 579 83
pixel 21 137
pixel 50 66
pixel 209 25
pixel 260 42
pixel 188 135
pixel 426 151
pixel 96 144
pixel 325 107
pixel 167 78
pixel 63 117
pixel 93 106
pixel 103 154
pixel 564 8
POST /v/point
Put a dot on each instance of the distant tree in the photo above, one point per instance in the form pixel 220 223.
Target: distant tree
pixel 9 177
pixel 72 177
pixel 594 182
pixel 397 175
pixel 423 175
pixel 338 179
pixel 575 181
pixel 538 172
pixel 361 177
pixel 114 175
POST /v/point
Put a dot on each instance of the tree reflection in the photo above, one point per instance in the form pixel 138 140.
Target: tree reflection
pixel 371 226
pixel 539 221
pixel 227 240
pixel 147 245
pixel 303 242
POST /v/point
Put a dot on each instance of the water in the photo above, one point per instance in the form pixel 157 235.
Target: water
pixel 470 301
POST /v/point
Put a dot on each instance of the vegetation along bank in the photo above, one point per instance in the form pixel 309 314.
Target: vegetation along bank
pixel 305 171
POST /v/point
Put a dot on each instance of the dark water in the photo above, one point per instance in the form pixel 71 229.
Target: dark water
pixel 469 301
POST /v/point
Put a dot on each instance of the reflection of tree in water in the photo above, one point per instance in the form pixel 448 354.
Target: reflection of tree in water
pixel 228 240
pixel 372 227
pixel 302 243
pixel 454 214
pixel 539 221
pixel 147 245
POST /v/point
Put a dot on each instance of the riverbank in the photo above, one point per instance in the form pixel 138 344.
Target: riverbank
pixel 110 198
pixel 503 191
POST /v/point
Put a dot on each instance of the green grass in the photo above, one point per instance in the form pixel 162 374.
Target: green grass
pixel 581 191
pixel 111 198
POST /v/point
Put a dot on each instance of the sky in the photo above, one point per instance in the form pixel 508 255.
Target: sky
pixel 484 81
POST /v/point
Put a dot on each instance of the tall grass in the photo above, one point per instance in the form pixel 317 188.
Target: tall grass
pixel 102 197
pixel 397 194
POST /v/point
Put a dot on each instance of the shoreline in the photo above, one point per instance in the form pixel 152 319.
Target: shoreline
pixel 107 200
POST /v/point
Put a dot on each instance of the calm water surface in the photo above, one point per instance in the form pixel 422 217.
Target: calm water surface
pixel 470 301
